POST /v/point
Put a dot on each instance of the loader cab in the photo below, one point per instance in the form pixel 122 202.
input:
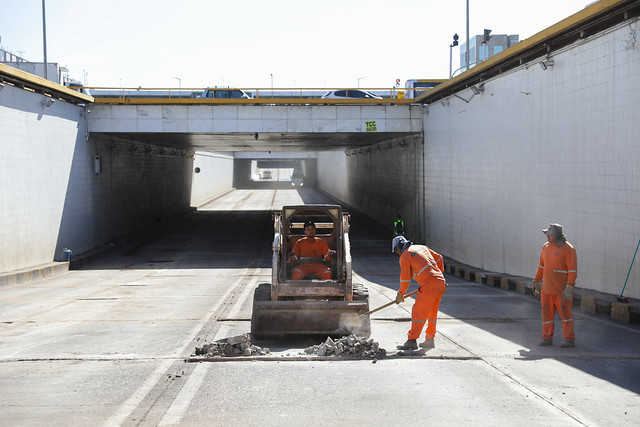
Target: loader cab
pixel 328 220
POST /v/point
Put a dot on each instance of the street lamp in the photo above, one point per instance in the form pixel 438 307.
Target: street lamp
pixel 360 78
pixel 455 43
pixel 179 81
pixel 44 40
pixel 467 54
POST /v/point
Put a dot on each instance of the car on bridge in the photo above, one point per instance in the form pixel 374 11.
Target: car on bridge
pixel 224 93
pixel 350 94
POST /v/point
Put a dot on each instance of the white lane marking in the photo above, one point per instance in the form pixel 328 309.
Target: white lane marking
pixel 186 394
pixel 182 401
pixel 138 396
pixel 245 294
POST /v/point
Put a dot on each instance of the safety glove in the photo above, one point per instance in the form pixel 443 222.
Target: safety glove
pixel 399 298
pixel 535 288
pixel 567 293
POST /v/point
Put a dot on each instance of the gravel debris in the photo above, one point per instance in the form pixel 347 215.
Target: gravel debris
pixel 349 346
pixel 240 345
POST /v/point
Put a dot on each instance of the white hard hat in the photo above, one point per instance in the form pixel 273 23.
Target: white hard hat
pixel 398 241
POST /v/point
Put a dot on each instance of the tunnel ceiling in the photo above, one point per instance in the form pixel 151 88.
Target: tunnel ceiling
pixel 265 141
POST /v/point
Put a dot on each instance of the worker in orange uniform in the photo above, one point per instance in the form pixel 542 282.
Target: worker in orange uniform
pixel 558 270
pixel 315 249
pixel 427 268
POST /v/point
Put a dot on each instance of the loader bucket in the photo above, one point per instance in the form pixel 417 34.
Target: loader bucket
pixel 281 319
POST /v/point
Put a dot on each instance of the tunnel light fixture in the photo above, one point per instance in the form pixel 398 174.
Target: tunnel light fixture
pixel 546 63
pixel 477 90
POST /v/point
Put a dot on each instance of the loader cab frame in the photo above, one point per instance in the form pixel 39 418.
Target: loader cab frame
pixel 332 226
pixel 287 307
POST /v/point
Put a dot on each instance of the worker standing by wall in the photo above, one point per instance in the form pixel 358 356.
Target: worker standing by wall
pixel 398 226
pixel 427 268
pixel 558 271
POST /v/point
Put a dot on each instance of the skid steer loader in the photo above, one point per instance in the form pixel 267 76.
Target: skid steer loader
pixel 286 307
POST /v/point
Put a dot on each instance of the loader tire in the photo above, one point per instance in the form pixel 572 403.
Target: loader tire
pixel 360 292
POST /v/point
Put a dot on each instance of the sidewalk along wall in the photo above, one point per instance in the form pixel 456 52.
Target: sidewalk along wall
pixel 212 176
pixel 538 146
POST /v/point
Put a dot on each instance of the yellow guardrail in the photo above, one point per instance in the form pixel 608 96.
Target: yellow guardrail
pixel 28 81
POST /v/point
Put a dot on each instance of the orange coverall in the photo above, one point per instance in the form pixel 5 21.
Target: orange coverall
pixel 426 267
pixel 304 248
pixel 558 268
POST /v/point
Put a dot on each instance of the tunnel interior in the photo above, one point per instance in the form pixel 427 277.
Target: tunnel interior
pixel 276 173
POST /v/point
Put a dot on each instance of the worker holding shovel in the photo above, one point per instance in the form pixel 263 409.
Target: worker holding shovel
pixel 427 268
pixel 558 271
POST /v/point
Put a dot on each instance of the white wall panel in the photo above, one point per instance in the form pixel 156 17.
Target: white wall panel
pixel 536 147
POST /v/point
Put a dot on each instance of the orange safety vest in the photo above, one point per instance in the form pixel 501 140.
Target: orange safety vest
pixel 304 248
pixel 558 268
pixel 420 263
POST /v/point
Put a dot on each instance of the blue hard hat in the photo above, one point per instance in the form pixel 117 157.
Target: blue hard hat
pixel 398 241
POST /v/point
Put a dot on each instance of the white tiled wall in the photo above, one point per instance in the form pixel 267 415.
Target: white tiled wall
pixel 561 145
pixel 50 194
pixel 38 146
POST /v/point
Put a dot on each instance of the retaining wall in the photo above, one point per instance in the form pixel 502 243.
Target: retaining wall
pixel 541 146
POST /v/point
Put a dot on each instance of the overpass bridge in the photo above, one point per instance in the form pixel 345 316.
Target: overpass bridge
pixel 244 127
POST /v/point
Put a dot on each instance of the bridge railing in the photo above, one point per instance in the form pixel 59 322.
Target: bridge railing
pixel 254 96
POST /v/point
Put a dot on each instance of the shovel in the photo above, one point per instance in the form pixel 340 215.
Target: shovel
pixel 621 298
pixel 387 304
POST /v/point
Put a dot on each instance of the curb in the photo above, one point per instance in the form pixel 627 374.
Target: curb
pixel 585 300
pixel 18 277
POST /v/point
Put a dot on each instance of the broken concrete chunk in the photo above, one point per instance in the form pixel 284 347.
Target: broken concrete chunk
pixel 239 339
pixel 347 346
pixel 322 349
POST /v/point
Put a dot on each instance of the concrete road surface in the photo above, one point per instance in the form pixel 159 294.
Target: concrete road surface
pixel 109 344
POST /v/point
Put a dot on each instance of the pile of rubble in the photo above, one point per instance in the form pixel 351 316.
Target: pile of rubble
pixel 347 346
pixel 239 345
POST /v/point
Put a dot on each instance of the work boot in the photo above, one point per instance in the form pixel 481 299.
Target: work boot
pixel 428 343
pixel 408 345
pixel 545 343
pixel 567 344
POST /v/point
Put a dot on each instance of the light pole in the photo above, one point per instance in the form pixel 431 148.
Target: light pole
pixel 455 43
pixel 179 86
pixel 44 40
pixel 360 78
pixel 467 54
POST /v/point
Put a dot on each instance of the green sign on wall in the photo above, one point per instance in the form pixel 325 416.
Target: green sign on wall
pixel 371 126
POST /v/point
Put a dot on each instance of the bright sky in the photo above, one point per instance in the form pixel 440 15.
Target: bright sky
pixel 252 43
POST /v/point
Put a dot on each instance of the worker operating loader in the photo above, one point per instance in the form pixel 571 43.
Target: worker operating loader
pixel 427 268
